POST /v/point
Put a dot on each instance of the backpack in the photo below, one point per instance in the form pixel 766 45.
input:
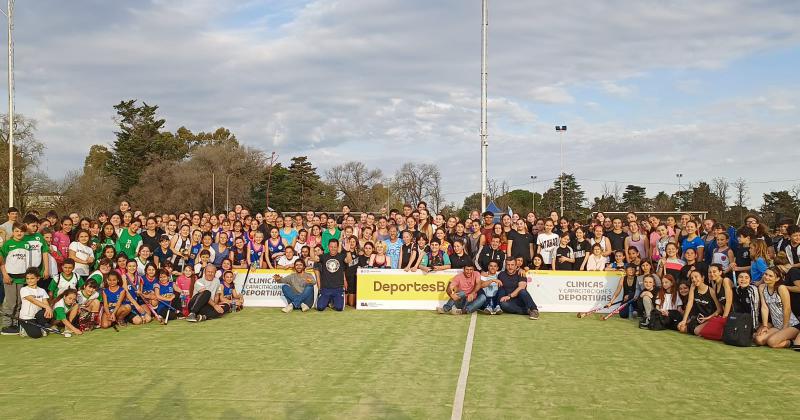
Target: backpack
pixel 738 330
pixel 658 321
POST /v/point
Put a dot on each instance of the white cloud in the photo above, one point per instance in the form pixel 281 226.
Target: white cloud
pixel 402 76
pixel 551 95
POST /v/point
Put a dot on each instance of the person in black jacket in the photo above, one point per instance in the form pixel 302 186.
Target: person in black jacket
pixel 460 259
pixel 488 253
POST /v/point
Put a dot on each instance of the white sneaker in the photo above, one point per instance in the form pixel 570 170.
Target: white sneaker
pixel 304 307
pixel 288 308
pixel 456 311
pixel 440 310
pixel 67 334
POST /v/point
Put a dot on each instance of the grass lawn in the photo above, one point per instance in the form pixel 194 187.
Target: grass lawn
pixel 262 363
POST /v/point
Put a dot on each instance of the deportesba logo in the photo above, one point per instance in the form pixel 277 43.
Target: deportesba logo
pixel 392 288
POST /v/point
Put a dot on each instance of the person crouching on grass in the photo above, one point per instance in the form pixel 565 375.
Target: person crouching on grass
pixel 66 311
pixel 779 326
pixel 204 303
pixel 34 310
pixel 626 285
pixel 89 300
pixel 165 296
pixel 298 288
pixel 646 299
pixel 229 298
pixel 701 305
pixel 114 296
pixel 330 272
pixel 463 291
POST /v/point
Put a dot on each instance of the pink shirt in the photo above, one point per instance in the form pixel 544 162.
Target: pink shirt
pixel 465 284
pixel 61 241
pixel 183 282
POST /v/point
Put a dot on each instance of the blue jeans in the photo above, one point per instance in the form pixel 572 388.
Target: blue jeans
pixel 518 305
pixel 479 302
pixel 306 296
pixel 326 295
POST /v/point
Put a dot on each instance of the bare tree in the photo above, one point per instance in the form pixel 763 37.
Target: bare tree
pixel 87 192
pixel 355 182
pixel 720 187
pixel 740 191
pixel 417 182
pixel 171 186
pixel 30 183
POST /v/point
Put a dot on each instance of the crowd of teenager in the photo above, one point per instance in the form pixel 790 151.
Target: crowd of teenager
pixel 72 273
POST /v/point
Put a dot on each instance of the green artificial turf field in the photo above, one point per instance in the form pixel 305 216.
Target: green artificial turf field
pixel 262 363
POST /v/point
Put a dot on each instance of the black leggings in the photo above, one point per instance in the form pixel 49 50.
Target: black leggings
pixel 199 305
pixel 34 331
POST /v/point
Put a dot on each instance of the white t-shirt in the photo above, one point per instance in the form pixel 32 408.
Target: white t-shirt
pixel 202 284
pixel 283 261
pixel 28 310
pixel 83 299
pixel 83 252
pixel 548 242
pixel 63 283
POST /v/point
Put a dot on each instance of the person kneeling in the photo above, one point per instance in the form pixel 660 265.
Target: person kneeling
pixel 204 304
pixel 330 270
pixel 66 311
pixel 463 291
pixel 35 311
pixel 298 288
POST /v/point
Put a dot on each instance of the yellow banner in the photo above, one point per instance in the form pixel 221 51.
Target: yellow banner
pixel 399 289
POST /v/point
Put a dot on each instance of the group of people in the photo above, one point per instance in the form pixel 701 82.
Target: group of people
pixel 701 277
pixel 76 273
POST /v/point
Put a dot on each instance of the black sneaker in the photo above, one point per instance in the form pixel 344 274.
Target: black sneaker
pixel 644 324
pixel 533 314
pixel 10 330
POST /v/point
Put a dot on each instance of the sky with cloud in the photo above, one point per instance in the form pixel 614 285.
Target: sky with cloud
pixel 647 89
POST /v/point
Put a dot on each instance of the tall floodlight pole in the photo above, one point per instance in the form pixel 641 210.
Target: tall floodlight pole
pixel 484 134
pixel 561 129
pixel 679 176
pixel 10 15
pixel 533 193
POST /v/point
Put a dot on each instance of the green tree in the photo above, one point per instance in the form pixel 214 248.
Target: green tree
pixel 634 198
pixel 220 136
pixel 471 202
pixel 574 198
pixel 701 197
pixel 304 182
pixel 139 143
pixel 663 202
pixel 780 205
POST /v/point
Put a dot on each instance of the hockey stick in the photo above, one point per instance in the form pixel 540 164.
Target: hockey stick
pixel 244 284
pixel 585 314
pixel 29 322
pixel 618 310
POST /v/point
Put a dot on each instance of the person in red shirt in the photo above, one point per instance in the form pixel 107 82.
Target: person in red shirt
pixel 463 292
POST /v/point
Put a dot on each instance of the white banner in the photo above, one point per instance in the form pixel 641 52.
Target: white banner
pixel 261 289
pixel 572 291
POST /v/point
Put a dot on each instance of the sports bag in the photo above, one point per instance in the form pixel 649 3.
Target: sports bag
pixel 658 321
pixel 738 330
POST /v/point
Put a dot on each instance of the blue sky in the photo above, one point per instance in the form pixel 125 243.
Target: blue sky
pixel 648 89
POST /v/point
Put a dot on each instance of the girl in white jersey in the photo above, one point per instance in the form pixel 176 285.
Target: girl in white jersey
pixel 598 238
